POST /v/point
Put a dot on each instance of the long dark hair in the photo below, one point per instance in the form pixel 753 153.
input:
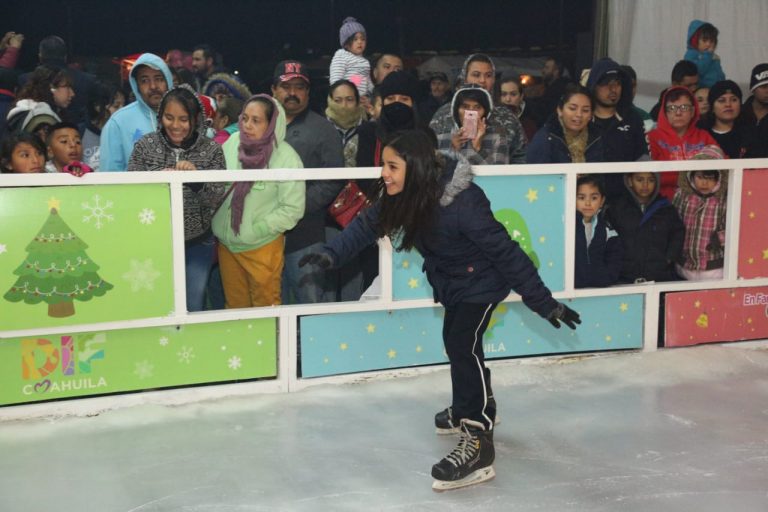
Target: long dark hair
pixel 184 96
pixel 41 81
pixel 409 216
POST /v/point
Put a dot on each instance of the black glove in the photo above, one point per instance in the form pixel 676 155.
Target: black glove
pixel 563 313
pixel 321 259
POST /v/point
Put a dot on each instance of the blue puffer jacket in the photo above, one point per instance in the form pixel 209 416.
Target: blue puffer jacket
pixel 548 145
pixel 708 63
pixel 470 256
pixel 598 264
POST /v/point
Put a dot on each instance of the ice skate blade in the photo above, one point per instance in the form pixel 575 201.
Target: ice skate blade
pixel 479 476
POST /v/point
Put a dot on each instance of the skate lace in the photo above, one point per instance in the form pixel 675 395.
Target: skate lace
pixel 465 450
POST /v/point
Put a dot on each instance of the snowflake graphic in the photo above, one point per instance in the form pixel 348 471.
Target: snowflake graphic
pixel 98 212
pixel 164 341
pixel 3 248
pixel 141 275
pixel 147 216
pixel 234 363
pixel 186 355
pixel 144 369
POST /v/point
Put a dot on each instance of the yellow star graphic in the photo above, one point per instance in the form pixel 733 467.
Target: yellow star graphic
pixel 343 346
pixel 624 307
pixel 608 339
pixel 326 360
pixel 551 188
pixel 542 239
pixel 528 341
pixel 765 254
pixel 406 263
pixel 54 203
pixel 532 195
pixel 751 215
pixel 391 354
pixel 413 283
pixel 418 348
pixel 551 264
pixel 751 260
pixel 697 304
pixel 749 192
pixel 371 328
pixel 749 320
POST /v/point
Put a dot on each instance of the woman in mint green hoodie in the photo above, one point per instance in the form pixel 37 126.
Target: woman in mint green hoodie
pixel 254 215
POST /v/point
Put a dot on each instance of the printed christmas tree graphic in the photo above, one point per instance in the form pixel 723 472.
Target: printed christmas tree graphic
pixel 57 270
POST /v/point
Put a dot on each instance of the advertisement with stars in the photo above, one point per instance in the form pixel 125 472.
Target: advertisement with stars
pixel 710 316
pixel 97 363
pixel 377 340
pixel 753 237
pixel 85 254
pixel 530 207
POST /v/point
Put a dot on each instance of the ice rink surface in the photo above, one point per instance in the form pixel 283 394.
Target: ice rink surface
pixel 674 430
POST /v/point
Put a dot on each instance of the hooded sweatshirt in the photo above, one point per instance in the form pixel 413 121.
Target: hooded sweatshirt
pixel 129 124
pixel 442 122
pixel 154 152
pixel 666 144
pixel 271 207
pixel 704 220
pixel 652 235
pixel 708 63
pixel 494 146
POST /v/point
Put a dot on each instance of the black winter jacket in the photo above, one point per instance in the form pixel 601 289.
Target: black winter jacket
pixel 548 145
pixel 470 257
pixel 599 264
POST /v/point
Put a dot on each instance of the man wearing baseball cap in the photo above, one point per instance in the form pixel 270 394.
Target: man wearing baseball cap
pixel 754 113
pixel 318 144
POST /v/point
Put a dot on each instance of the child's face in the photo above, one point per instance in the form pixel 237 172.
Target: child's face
pixel 702 98
pixel 65 147
pixel 704 184
pixel 26 158
pixel 706 45
pixel 357 46
pixel 589 200
pixel 643 184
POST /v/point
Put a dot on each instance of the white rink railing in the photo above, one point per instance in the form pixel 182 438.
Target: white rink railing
pixel 288 316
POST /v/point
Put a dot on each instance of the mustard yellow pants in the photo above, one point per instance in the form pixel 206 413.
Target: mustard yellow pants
pixel 252 278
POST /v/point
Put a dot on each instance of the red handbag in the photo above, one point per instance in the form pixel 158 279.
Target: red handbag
pixel 348 204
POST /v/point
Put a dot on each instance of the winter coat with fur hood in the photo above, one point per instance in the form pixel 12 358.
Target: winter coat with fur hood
pixel 704 220
pixel 469 256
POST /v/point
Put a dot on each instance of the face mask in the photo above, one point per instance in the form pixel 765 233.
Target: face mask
pixel 397 116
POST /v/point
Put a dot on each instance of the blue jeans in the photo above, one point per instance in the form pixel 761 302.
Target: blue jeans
pixel 198 258
pixel 308 284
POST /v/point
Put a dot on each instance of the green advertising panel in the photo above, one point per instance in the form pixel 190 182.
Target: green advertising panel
pixel 85 254
pixel 85 364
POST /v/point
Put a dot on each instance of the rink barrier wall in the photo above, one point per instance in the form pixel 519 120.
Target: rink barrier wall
pixel 117 344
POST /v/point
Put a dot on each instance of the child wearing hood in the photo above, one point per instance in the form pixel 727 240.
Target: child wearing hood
pixel 677 137
pixel 650 229
pixel 489 143
pixel 701 43
pixel 700 200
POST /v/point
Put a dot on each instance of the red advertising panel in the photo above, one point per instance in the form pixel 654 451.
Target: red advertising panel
pixel 753 239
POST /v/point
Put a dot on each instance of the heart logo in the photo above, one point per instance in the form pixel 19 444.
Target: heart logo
pixel 703 321
pixel 43 386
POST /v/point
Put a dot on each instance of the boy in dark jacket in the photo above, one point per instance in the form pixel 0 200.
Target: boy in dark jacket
pixel 650 229
pixel 598 248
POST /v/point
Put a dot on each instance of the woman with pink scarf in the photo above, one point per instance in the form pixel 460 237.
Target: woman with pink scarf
pixel 251 222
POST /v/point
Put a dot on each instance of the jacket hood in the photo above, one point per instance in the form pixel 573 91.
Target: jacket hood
pixel 33 109
pixel 463 73
pixel 461 178
pixel 685 182
pixel 663 123
pixel 608 65
pixel 200 124
pixel 154 62
pixel 460 92
pixel 233 84
pixel 280 123
pixel 692 28
pixel 632 194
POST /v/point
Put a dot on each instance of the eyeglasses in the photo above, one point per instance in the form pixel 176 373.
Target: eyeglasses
pixel 678 109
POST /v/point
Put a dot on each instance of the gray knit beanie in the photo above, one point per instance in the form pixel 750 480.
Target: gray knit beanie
pixel 349 27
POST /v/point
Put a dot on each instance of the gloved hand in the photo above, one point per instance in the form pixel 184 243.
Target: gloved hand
pixel 563 313
pixel 321 259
